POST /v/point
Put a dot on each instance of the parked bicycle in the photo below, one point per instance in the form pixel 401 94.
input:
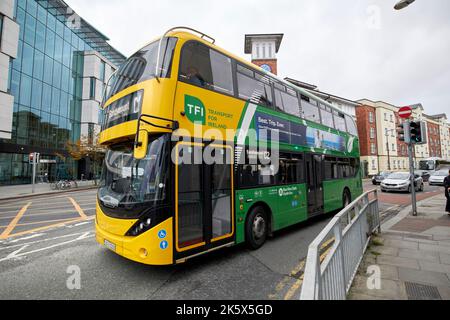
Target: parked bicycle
pixel 63 185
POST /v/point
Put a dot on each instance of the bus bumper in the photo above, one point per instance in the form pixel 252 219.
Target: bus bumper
pixel 147 248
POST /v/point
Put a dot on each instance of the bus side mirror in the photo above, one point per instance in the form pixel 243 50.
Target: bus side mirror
pixel 141 144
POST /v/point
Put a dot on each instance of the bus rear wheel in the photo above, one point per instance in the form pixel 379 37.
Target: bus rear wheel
pixel 256 228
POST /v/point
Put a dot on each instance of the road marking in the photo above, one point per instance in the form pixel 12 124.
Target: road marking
pixel 13 223
pixel 50 226
pixel 48 213
pixel 80 224
pixel 40 222
pixel 299 282
pixel 26 238
pixel 78 208
pixel 82 237
pixel 14 254
pixel 39 241
pixel 297 269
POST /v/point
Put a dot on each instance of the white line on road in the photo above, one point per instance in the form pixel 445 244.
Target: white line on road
pixel 82 223
pixel 82 237
pixel 43 240
pixel 26 238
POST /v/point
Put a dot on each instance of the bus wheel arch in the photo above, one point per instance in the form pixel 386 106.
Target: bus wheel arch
pixel 259 213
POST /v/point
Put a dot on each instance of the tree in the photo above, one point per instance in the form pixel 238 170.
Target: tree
pixel 87 147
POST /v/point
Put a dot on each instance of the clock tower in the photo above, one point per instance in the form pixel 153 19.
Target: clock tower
pixel 264 49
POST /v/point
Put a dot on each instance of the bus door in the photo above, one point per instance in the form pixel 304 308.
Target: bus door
pixel 314 183
pixel 204 210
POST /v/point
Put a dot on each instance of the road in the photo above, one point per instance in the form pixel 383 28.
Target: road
pixel 44 239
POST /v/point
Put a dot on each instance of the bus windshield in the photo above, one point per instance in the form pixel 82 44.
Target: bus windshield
pixel 133 184
pixel 141 66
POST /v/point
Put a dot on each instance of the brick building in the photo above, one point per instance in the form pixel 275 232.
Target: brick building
pixel 381 149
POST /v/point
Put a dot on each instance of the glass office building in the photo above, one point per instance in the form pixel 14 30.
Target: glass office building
pixel 53 79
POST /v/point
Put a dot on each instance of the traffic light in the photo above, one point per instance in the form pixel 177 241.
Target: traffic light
pixel 417 132
pixel 34 157
pixel 403 132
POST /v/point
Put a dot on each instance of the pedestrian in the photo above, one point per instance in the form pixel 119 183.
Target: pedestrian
pixel 447 192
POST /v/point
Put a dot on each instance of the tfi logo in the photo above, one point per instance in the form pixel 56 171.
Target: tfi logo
pixel 194 109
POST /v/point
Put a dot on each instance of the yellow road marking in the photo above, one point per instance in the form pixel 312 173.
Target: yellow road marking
pixel 299 282
pixel 296 270
pixel 13 223
pixel 40 222
pixel 78 208
pixel 51 226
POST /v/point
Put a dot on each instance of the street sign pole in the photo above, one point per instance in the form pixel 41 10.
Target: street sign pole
pixel 406 113
pixel 412 179
pixel 34 172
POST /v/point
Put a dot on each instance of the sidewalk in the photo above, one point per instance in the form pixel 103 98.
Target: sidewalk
pixel 413 254
pixel 24 190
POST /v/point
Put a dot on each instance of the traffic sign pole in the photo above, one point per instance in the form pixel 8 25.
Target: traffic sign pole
pixel 412 179
pixel 406 112
pixel 34 172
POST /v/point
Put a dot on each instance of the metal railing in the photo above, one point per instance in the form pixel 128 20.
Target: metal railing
pixel 329 277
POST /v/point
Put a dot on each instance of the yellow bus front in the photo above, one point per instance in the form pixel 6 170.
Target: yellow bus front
pixel 134 215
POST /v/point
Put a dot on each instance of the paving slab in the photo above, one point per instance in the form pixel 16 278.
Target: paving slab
pixel 390 289
pixel 434 247
pixel 433 266
pixel 423 277
pixel 444 258
pixel 444 292
pixel 419 254
pixel 438 231
pixel 399 262
pixel 401 244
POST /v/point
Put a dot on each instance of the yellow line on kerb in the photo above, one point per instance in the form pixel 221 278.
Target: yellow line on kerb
pixel 14 222
pixel 78 208
pixel 290 293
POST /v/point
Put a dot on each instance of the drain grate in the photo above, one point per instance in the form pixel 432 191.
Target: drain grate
pixel 417 291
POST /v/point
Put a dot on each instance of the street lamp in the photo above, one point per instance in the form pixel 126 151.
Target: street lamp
pixel 403 4
pixel 387 147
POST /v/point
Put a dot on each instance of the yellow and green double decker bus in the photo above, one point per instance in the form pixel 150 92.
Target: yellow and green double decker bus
pixel 206 150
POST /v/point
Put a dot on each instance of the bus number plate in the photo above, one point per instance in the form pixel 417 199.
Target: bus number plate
pixel 110 245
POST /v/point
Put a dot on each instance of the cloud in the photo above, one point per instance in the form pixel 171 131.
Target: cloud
pixel 351 48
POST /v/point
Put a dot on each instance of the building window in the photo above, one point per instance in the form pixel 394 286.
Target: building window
pixel 392 118
pixel 372 133
pixel 373 149
pixel 385 117
pixel 102 70
pixel 92 88
pixel 371 117
pixel 393 147
pixel 373 164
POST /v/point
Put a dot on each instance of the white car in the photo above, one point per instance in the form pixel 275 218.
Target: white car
pixel 400 181
pixel 437 178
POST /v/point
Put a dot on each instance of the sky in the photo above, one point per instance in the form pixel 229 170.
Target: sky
pixel 350 48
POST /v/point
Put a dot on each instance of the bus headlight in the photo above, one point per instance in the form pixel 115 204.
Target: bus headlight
pixel 140 227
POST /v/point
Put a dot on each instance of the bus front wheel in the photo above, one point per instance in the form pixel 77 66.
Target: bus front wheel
pixel 256 228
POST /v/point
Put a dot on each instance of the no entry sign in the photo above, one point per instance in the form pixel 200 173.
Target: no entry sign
pixel 405 112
